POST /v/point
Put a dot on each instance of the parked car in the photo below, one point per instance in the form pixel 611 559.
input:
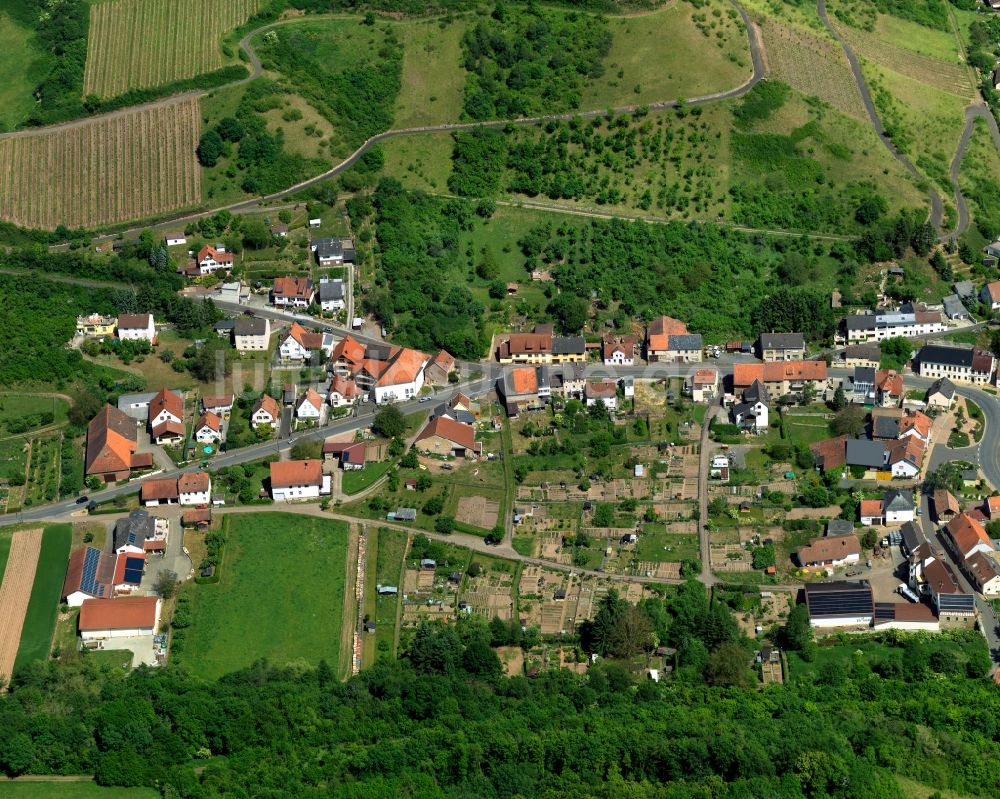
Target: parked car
pixel 81 500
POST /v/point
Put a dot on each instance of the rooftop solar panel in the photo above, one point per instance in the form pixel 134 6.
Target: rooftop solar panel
pixel 961 603
pixel 133 576
pixel 853 601
pixel 134 563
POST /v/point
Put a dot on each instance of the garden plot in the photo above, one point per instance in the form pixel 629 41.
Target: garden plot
pixel 490 595
pixel 478 511
pixel 660 571
pixel 425 597
pixel 730 558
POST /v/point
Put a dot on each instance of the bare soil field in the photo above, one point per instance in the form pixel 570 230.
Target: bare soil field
pixel 15 591
pixel 478 511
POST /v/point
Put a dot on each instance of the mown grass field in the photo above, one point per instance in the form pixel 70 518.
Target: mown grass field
pixel 358 480
pixel 135 44
pixel 40 619
pixel 126 166
pixel 21 72
pixel 280 597
pixel 433 75
pixel 641 69
pixel 13 406
pixel 71 790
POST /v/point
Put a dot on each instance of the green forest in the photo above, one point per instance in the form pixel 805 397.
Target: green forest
pixel 444 723
pixel 525 61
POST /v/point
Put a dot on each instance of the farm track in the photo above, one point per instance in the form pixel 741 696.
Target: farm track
pixel 15 592
pixel 937 206
pixel 758 73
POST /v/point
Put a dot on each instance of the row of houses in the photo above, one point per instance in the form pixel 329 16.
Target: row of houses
pixel 526 388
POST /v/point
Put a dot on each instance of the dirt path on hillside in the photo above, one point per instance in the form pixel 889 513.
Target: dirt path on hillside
pixel 15 591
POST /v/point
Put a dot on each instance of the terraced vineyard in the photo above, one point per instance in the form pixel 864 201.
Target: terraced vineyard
pixel 949 77
pixel 126 166
pixel 135 44
pixel 812 65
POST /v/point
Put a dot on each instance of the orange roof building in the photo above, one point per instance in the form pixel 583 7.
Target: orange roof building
pixel 265 411
pixel 114 618
pixel 967 536
pixel 785 374
pixel 444 436
pixel 658 334
pixel 293 291
pixel 111 445
pixel 830 551
pixel 916 423
pixel 289 474
pixel 441 365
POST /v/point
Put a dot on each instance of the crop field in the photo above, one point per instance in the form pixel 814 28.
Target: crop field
pixel 948 76
pixel 640 69
pixel 15 593
pixel 812 65
pixel 135 44
pixel 125 166
pixel 280 596
pixel 40 620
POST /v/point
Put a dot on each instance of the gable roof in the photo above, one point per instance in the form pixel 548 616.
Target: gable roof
pixel 521 380
pixel 220 257
pixel 705 377
pixel 223 401
pixel 166 400
pixel 293 287
pixel 525 344
pixel 285 474
pixel 193 482
pixel 871 508
pixel 967 533
pixel 268 404
pixel 349 350
pixel 782 341
pixel 992 290
pixel 111 439
pixel 909 449
pixel 612 344
pixel 918 421
pixel 134 321
pixel 344 386
pixel 889 381
pixel 982 568
pixel 861 452
pixel 312 398
pixel 90 571
pixel 450 430
pixel 838 599
pixel 964 357
pixel 307 339
pixel 825 549
pixel 209 420
pixel 898 499
pixel 831 453
pixel 942 386
pixel 683 341
pixel 134 529
pixel 870 351
pixel 660 329
pixel 256 326
pixel 600 390
pixel 123 613
pixel 745 373
pixel 945 502
pixel 443 360
pixel 158 488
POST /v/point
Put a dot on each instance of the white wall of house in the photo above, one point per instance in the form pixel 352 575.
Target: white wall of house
pixel 611 403
pixel 899 516
pixel 262 418
pixel 293 493
pixel 197 497
pixel 206 435
pixel 100 635
pixel 399 392
pixel 138 333
pixel 904 469
pixel 306 410
pixel 291 350
pixel 842 621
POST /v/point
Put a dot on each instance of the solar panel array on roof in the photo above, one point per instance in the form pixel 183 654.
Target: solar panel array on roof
pixel 133 570
pixel 840 599
pixel 956 603
pixel 88 580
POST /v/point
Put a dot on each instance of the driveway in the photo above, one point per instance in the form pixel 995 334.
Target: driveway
pixel 173 559
pixel 141 647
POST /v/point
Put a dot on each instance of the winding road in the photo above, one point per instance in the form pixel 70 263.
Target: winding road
pixel 256 70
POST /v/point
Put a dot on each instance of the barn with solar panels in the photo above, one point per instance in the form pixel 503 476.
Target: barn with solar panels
pixel 842 604
pixel 128 572
pixel 88 576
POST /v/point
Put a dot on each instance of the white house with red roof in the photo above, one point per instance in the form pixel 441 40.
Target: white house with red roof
pixel 211 259
pixel 309 406
pixel 298 344
pixel 265 412
pixel 293 292
pixel 208 429
pixel 384 372
pixel 604 391
pixel 166 416
pixel 136 327
pixel 343 391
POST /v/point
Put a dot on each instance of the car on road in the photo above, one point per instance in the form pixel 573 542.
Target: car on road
pixel 424 399
pixel 81 500
pixel 291 440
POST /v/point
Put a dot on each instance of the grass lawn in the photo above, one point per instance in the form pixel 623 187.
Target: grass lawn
pixel 40 619
pixel 388 571
pixel 24 67
pixel 280 596
pixel 71 790
pixel 13 406
pixel 525 545
pixel 433 75
pixel 639 69
pixel 359 479
pixel 666 547
pixel 421 161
